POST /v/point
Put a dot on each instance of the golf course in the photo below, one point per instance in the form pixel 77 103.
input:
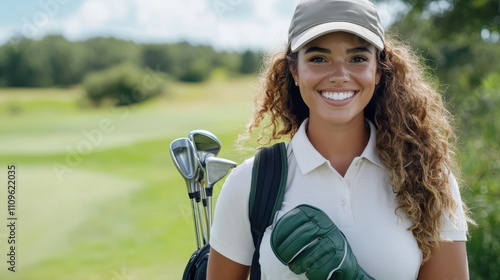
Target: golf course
pixel 97 195
pixel 93 93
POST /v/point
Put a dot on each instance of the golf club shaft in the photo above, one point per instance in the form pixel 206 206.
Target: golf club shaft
pixel 210 218
pixel 201 219
pixel 208 191
pixel 195 199
pixel 196 229
pixel 206 208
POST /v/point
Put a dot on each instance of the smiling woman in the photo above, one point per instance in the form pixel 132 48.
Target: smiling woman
pixel 370 159
pixel 337 73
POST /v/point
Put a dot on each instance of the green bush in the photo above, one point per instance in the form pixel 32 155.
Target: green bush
pixel 122 85
pixel 197 71
pixel 480 122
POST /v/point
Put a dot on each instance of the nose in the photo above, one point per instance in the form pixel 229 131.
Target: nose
pixel 338 73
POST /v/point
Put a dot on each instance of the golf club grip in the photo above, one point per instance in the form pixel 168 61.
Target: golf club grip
pixel 209 191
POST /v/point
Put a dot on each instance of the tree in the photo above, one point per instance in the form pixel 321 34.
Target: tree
pixel 450 17
pixel 25 66
pixel 448 35
pixel 54 61
pixel 64 60
pixel 101 53
pixel 481 165
pixel 250 62
pixel 158 57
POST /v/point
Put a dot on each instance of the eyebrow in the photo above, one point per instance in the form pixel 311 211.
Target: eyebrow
pixel 358 50
pixel 349 51
pixel 317 49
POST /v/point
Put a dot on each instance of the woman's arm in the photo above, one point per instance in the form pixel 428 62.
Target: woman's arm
pixel 448 261
pixel 222 268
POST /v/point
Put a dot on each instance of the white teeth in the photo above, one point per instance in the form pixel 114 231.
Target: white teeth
pixel 338 96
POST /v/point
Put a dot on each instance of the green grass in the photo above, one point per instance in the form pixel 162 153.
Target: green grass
pixel 118 209
pixel 98 196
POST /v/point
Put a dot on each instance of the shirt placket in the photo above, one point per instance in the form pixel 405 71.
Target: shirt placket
pixel 345 203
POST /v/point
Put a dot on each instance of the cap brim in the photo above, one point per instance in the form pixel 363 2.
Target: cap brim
pixel 316 31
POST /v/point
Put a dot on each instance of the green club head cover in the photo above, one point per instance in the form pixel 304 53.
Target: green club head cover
pixel 307 241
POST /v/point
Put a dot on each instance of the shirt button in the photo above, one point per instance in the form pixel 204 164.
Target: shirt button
pixel 343 201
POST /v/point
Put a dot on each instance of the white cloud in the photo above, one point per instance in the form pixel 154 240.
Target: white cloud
pixel 94 16
pixel 266 26
pixel 157 20
pixel 225 24
pixel 5 34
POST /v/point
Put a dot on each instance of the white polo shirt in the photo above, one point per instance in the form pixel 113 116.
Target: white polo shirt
pixel 362 205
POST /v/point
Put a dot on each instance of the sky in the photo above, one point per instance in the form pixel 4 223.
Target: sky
pixel 223 24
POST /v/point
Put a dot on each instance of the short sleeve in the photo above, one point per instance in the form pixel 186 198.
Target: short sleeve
pixel 230 234
pixel 454 226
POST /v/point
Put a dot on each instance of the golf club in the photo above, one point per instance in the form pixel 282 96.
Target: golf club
pixel 200 198
pixel 205 142
pixel 185 160
pixel 206 145
pixel 216 168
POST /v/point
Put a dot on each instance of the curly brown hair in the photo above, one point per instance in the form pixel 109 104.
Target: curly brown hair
pixel 415 139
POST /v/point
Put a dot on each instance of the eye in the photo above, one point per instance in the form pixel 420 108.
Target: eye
pixel 359 59
pixel 317 59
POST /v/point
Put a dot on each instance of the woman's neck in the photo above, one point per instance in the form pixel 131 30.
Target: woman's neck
pixel 339 144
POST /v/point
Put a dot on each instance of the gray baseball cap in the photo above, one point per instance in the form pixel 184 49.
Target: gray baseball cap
pixel 314 18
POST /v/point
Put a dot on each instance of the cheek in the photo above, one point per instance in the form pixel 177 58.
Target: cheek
pixel 371 77
pixel 307 75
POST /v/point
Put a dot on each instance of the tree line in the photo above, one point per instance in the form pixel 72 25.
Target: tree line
pixel 55 61
pixel 460 41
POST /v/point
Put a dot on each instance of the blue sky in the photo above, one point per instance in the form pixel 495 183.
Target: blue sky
pixel 224 24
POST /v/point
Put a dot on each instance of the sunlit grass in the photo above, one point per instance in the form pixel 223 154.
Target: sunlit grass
pixel 99 197
pixel 99 203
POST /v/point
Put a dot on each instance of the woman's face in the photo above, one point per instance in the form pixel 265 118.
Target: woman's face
pixel 337 74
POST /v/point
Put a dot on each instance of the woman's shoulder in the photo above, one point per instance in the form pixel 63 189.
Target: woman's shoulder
pixel 243 170
pixel 230 233
pixel 237 183
pixel 237 186
pixel 454 222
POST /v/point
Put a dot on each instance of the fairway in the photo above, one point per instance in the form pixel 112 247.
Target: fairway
pixel 97 194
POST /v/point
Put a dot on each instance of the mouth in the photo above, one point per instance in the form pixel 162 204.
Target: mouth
pixel 338 96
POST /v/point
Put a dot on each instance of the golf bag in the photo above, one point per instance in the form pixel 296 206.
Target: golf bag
pixel 270 170
pixel 196 268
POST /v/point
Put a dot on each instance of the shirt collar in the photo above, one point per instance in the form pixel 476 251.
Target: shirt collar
pixel 370 152
pixel 308 158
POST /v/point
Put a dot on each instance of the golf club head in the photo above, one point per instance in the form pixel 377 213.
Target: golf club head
pixel 217 168
pixel 183 154
pixel 205 143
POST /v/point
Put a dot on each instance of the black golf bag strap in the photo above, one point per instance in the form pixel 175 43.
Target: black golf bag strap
pixel 269 175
